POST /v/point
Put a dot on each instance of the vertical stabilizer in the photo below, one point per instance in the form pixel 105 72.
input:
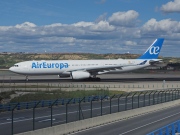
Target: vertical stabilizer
pixel 153 51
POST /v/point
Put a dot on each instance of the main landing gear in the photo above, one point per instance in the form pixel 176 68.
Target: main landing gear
pixel 94 79
pixel 27 78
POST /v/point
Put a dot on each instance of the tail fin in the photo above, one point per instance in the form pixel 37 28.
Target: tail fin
pixel 153 51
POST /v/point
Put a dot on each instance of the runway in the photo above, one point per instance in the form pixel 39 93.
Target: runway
pixel 7 76
pixel 121 82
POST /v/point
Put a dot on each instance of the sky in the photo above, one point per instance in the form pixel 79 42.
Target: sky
pixel 89 26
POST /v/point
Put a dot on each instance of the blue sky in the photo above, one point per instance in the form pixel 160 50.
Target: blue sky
pixel 97 26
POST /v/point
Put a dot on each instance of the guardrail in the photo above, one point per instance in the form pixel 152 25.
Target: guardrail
pixel 170 129
pixel 8 85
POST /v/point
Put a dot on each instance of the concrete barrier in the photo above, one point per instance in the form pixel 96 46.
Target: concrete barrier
pixel 95 121
pixel 74 86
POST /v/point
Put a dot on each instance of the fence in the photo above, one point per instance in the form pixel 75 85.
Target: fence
pixel 43 115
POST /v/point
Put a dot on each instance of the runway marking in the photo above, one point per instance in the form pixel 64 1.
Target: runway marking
pixel 149 123
pixel 46 120
pixel 15 118
pixel 59 121
pixel 122 120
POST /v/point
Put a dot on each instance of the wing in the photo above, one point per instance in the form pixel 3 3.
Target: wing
pixel 104 69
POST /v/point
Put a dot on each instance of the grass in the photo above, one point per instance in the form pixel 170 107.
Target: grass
pixel 52 95
pixel 5 95
pixel 27 86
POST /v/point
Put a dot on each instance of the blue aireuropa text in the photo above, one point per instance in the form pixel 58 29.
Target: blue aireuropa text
pixel 49 65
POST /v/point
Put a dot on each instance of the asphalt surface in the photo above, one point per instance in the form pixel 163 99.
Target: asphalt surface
pixel 140 125
pixel 23 119
pixel 104 80
pixel 7 77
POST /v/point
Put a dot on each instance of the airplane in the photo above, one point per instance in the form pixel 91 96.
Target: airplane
pixel 88 69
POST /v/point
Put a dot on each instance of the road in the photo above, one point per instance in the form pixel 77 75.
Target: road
pixel 140 125
pixel 23 119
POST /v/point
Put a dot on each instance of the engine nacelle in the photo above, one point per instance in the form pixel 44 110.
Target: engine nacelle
pixel 80 75
pixel 64 75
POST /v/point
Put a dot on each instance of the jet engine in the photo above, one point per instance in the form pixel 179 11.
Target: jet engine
pixel 80 75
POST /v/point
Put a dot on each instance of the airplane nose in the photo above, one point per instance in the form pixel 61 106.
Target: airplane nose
pixel 11 69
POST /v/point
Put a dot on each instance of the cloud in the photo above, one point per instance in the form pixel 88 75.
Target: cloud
pixel 103 36
pixel 25 25
pixel 102 26
pixel 170 7
pixel 164 26
pixel 101 18
pixel 126 19
pixel 130 43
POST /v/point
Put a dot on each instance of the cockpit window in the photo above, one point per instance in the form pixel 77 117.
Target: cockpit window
pixel 15 66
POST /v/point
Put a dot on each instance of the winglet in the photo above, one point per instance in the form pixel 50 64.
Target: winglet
pixel 153 51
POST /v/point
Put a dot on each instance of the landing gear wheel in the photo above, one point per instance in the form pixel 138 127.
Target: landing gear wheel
pixel 97 79
pixel 27 78
pixel 94 79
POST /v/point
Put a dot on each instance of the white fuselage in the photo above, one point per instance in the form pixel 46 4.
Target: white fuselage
pixel 56 67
